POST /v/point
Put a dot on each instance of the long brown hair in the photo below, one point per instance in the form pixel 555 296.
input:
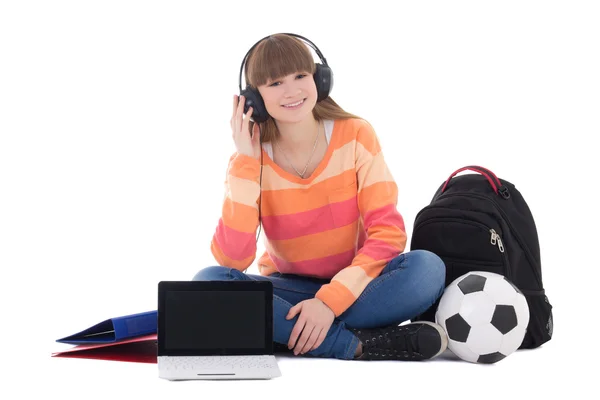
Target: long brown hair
pixel 275 57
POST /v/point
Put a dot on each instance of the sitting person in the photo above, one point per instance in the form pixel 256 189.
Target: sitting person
pixel 327 203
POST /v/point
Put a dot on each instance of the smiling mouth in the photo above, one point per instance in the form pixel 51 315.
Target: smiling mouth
pixel 291 105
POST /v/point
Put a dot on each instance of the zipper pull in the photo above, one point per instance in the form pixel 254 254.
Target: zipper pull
pixel 495 239
pixel 500 245
pixel 494 236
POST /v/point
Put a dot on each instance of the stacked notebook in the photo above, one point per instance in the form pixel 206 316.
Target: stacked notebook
pixel 129 338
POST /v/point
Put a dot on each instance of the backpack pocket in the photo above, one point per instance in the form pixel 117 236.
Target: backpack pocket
pixel 541 323
pixel 464 245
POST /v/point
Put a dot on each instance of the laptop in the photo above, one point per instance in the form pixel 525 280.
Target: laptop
pixel 215 330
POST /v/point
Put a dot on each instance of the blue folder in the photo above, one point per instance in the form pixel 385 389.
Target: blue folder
pixel 116 329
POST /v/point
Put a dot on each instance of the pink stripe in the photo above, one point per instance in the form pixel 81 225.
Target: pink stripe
pixel 331 216
pixel 386 215
pixel 325 267
pixel 379 250
pixel 345 212
pixel 289 226
pixel 235 244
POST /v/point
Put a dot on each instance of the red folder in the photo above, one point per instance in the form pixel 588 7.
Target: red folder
pixel 142 349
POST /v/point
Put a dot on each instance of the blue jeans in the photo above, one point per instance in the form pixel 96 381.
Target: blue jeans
pixel 406 287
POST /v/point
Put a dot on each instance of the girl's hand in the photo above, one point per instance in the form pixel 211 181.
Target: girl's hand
pixel 314 322
pixel 244 142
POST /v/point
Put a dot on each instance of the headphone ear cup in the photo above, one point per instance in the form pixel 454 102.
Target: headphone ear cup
pixel 324 81
pixel 254 100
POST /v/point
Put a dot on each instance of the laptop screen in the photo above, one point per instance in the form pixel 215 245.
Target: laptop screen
pixel 204 318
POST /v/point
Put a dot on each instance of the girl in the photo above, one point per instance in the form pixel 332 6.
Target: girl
pixel 327 202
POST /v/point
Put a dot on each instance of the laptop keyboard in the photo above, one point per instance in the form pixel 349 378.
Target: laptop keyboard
pixel 218 362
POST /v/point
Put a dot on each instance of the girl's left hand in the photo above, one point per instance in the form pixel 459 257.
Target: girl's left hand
pixel 314 322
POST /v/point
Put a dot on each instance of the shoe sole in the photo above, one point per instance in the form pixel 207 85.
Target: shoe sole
pixel 443 337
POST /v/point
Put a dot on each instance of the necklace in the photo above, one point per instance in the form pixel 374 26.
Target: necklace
pixel 311 154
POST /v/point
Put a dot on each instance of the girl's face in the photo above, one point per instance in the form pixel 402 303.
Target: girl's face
pixel 290 99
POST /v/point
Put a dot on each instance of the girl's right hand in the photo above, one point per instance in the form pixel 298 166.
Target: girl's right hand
pixel 244 142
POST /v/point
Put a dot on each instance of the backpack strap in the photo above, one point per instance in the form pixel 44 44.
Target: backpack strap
pixel 495 183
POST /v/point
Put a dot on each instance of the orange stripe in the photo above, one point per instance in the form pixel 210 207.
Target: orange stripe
pixel 344 132
pixel 372 267
pixel 244 167
pixel 266 266
pixel 354 278
pixel 373 169
pixel 368 138
pixel 290 201
pixel 239 216
pixel 225 261
pixel 326 267
pixel 349 129
pixel 390 235
pixel 336 296
pixel 378 195
pixel 340 137
pixel 242 191
pixel 334 163
pixel 323 244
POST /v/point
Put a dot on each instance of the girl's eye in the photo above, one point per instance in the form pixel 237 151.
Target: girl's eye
pixel 299 75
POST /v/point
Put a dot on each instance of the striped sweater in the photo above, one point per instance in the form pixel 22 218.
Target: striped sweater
pixel 341 223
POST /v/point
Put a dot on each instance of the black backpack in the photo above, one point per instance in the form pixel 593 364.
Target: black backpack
pixel 479 222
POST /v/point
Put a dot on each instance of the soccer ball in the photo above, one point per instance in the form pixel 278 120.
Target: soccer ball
pixel 485 316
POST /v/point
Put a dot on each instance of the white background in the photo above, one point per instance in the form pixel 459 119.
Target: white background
pixel 115 137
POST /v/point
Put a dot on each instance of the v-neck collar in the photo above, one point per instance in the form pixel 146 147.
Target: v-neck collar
pixel 320 167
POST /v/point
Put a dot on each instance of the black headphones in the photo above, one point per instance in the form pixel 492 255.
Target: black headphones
pixel 323 77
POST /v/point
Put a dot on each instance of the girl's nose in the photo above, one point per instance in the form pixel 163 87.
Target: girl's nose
pixel 292 91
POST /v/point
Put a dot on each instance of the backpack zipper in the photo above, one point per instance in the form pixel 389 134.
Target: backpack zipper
pixel 515 233
pixel 495 238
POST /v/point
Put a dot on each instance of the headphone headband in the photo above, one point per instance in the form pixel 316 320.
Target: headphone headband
pixel 311 44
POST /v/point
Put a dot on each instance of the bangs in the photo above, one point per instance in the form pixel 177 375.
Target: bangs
pixel 277 57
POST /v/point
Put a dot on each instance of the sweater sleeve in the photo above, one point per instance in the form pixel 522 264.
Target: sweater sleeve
pixel 234 242
pixel 384 226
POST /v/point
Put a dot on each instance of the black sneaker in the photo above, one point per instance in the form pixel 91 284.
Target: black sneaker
pixel 416 341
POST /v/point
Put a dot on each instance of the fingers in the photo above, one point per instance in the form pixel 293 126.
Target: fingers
pixel 312 339
pixel 238 120
pixel 298 327
pixel 247 120
pixel 306 334
pixel 239 114
pixel 320 339
pixel 293 311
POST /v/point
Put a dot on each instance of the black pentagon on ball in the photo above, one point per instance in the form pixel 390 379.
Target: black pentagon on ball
pixel 490 358
pixel 457 328
pixel 504 318
pixel 472 283
pixel 513 285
